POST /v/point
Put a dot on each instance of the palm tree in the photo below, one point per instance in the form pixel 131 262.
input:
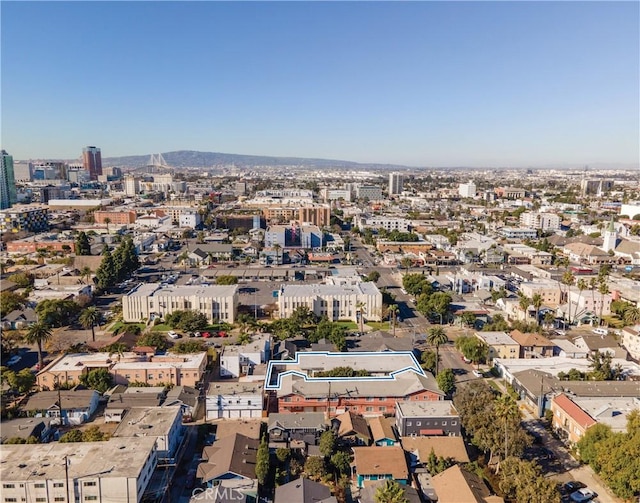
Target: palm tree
pixel 390 492
pixel 524 302
pixel 436 337
pixel 89 318
pixel 393 316
pixel 107 221
pixel 506 409
pixel 631 315
pixel 38 333
pixel 360 308
pixel 406 262
pixel 582 285
pixel 603 289
pixel 85 273
pixel 536 301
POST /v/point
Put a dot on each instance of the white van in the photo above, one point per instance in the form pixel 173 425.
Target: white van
pixel 601 331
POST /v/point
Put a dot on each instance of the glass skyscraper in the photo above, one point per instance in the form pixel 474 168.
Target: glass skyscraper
pixel 8 195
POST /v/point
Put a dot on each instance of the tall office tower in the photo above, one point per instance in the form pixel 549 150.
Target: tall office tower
pixel 8 194
pixel 92 161
pixel 395 183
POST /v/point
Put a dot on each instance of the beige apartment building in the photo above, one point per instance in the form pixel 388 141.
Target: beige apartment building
pixel 549 291
pixel 154 370
pixel 500 345
pixel 155 300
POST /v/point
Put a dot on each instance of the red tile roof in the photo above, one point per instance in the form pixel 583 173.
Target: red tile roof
pixel 573 411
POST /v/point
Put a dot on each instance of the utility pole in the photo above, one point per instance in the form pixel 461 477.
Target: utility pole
pixel 66 475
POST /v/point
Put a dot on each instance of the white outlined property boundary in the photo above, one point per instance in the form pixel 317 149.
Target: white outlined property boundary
pixel 414 367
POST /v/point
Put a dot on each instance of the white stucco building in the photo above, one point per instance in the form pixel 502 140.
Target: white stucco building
pixel 234 400
pixel 240 360
pixel 336 302
pixel 154 300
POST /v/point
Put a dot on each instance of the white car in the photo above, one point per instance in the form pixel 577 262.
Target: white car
pixel 477 373
pixel 582 495
pixel 173 335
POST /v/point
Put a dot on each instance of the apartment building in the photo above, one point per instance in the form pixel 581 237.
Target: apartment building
pixel 241 360
pixel 122 217
pixel 155 300
pixel 434 417
pixel 386 223
pixel 22 217
pixel 467 190
pixel 336 302
pixel 549 291
pixel 114 470
pixel 542 221
pixel 370 192
pixel 234 400
pixel 500 345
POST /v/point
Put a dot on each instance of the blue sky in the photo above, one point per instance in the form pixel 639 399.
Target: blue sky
pixel 415 83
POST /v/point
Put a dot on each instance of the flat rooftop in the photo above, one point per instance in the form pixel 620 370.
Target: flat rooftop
pixel 496 338
pixel 436 408
pixel 147 421
pixel 114 458
pixel 158 289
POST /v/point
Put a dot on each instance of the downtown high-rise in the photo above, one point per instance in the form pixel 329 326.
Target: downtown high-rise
pixel 395 183
pixel 92 161
pixel 8 195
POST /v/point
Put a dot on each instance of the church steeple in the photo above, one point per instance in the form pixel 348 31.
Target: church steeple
pixel 610 237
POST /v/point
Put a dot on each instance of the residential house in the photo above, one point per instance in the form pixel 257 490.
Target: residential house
pixel 25 427
pixel 229 458
pixel 234 400
pixel 569 420
pixel 457 485
pixel 567 349
pixel 162 423
pixel 379 463
pixel 77 405
pixel 601 343
pixel 532 345
pixel 19 319
pixel 186 397
pixel 382 431
pixel 368 493
pixel 500 345
pixel 300 426
pixel 303 490
pixel 419 449
pixel 241 360
pixel 351 428
pixel 121 399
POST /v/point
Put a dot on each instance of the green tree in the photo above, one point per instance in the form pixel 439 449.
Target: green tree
pixel 22 279
pixel 436 337
pixel 186 347
pixel 568 280
pixel 21 381
pixel 522 480
pixel 536 302
pixel 631 315
pixel 472 348
pixel 428 359
pixel 57 312
pixel 89 318
pixel 468 319
pixel 315 467
pixel 106 275
pixel 82 244
pixel 438 303
pixel 390 492
pixel 328 443
pixel 227 280
pixel 587 445
pixel 154 339
pixel 341 462
pixel 71 436
pixel 262 461
pixel 10 301
pixel 38 334
pixel 93 434
pixel 98 379
pixel 283 454
pixel 446 381
pixel 85 273
pixel 507 410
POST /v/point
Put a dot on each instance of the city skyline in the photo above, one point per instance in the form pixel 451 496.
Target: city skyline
pixel 416 83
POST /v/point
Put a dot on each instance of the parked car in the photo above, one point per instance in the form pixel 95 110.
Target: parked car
pixel 571 486
pixel 582 495
pixel 222 333
pixel 206 335
pixel 477 373
pixel 173 335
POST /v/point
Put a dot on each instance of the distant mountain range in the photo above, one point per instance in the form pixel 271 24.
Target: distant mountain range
pixel 194 159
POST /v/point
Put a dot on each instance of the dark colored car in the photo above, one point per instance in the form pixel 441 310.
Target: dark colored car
pixel 571 486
